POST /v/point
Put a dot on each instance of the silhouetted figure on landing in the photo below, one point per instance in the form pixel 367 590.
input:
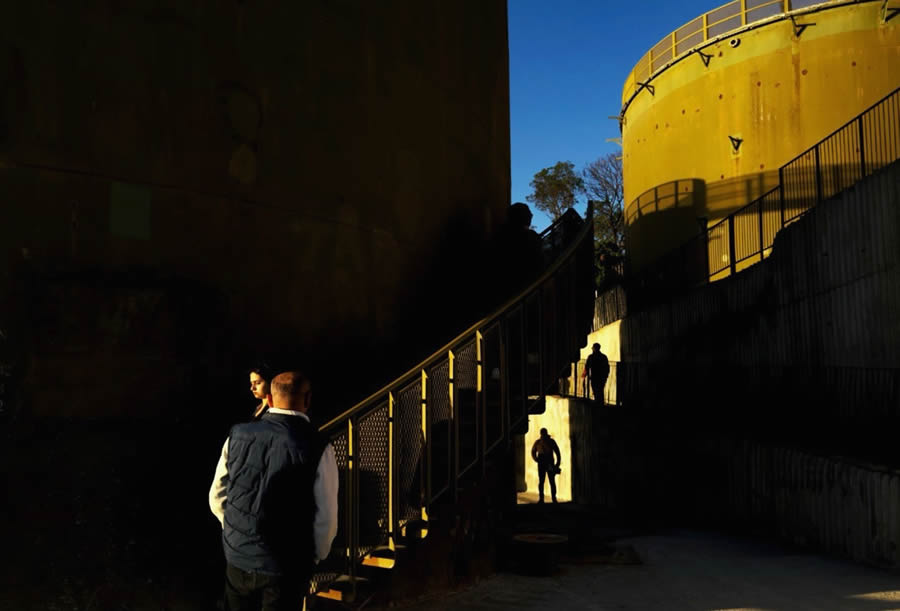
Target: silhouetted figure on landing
pixel 519 253
pixel 596 370
pixel 546 454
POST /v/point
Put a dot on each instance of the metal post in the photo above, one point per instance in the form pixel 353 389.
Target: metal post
pixel 351 517
pixel 818 178
pixel 425 471
pixel 454 446
pixel 862 149
pixel 481 417
pixel 781 193
pixel 743 12
pixel 393 496
pixel 705 26
pixel 762 244
pixel 731 249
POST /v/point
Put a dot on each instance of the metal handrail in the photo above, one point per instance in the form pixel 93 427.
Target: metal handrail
pixel 409 444
pixel 857 149
pixel 484 322
pixel 747 14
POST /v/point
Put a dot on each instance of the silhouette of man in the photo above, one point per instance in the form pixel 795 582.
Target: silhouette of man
pixel 596 369
pixel 520 255
pixel 275 492
pixel 546 454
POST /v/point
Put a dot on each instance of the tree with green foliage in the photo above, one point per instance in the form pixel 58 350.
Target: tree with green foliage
pixel 555 189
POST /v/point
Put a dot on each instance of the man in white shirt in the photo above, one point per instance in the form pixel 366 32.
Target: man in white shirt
pixel 275 494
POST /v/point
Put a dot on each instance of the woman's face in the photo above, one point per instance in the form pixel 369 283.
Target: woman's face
pixel 259 387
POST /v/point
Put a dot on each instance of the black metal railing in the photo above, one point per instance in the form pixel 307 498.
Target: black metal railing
pixel 576 385
pixel 410 444
pixel 858 149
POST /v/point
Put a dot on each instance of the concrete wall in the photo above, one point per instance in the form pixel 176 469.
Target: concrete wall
pixel 801 355
pixel 556 420
pixel 811 336
pixel 316 169
pixel 847 507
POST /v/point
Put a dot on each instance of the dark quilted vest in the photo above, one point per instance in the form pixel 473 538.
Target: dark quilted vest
pixel 270 507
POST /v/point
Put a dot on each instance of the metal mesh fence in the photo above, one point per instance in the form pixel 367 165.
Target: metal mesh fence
pixel 439 429
pixel 336 563
pixel 533 379
pixel 374 464
pixel 409 449
pixel 493 407
pixel 465 372
pixel 515 358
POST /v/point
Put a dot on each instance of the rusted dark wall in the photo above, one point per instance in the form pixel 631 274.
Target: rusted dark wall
pixel 319 170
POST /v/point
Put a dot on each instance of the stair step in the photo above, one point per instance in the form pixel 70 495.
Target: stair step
pixel 347 589
pixel 383 557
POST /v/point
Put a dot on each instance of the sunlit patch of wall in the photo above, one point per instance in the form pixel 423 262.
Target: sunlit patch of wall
pixel 556 420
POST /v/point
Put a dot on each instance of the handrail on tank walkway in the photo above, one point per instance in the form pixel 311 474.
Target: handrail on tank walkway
pixel 410 444
pixel 859 148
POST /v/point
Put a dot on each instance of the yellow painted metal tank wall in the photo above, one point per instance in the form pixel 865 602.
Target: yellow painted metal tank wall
pixel 704 132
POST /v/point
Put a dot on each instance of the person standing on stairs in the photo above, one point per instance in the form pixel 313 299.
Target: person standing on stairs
pixel 545 452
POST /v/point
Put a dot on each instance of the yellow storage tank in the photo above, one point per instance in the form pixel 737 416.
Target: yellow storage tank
pixel 712 111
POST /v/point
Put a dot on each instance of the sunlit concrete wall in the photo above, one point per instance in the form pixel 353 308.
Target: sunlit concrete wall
pixel 776 91
pixel 556 420
pixel 322 168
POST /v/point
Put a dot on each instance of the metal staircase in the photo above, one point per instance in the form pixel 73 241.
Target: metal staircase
pixel 406 448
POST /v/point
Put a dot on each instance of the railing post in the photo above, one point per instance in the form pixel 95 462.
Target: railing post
pixel 818 178
pixel 731 249
pixel 393 496
pixel 743 12
pixel 762 245
pixel 425 471
pixel 862 149
pixel 454 448
pixel 351 513
pixel 480 416
pixel 781 193
pixel 705 26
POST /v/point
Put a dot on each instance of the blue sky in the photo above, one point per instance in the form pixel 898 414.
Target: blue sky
pixel 568 60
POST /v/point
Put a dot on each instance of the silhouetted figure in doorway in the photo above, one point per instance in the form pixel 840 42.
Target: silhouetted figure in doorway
pixel 596 370
pixel 546 454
